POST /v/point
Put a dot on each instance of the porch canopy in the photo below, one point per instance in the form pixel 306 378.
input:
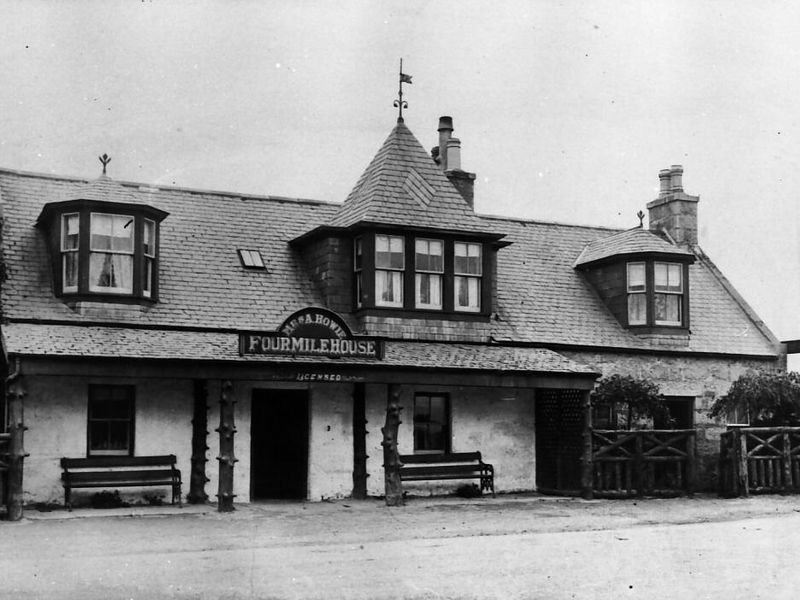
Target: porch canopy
pixel 79 350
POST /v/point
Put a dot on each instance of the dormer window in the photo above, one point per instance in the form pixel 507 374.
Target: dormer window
pixel 419 273
pixel 103 250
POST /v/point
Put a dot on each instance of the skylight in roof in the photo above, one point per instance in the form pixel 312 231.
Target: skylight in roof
pixel 251 259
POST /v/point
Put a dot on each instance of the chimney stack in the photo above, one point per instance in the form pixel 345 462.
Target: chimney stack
pixel 674 212
pixel 449 159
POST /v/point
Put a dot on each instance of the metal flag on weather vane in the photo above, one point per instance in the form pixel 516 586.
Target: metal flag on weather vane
pixel 400 104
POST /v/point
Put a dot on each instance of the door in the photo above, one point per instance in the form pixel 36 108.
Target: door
pixel 279 444
pixel 560 424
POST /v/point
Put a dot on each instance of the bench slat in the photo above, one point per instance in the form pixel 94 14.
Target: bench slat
pixel 440 458
pixel 96 462
pixel 466 470
pixel 150 475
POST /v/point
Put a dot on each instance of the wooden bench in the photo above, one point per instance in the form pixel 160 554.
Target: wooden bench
pixel 120 471
pixel 457 465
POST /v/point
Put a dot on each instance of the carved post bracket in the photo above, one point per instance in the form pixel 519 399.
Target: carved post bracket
pixel 197 493
pixel 15 393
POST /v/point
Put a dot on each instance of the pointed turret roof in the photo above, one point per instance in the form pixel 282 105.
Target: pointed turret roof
pixel 403 186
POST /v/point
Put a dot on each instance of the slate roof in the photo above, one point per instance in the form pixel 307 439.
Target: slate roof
pixel 541 299
pixel 31 339
pixel 402 185
pixel 631 241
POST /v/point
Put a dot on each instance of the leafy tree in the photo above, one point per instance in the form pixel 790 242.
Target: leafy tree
pixel 770 399
pixel 640 398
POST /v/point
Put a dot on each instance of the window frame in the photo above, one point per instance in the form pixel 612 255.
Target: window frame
pixel 111 251
pixel 94 390
pixel 391 270
pixel 667 293
pixel 468 277
pixel 74 253
pixel 419 273
pixel 445 423
pixel 638 294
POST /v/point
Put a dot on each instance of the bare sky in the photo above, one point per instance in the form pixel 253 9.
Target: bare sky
pixel 566 111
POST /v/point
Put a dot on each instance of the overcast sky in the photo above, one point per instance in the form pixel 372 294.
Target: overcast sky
pixel 566 111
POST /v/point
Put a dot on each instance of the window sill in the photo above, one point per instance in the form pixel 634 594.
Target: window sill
pixel 417 313
pixel 659 329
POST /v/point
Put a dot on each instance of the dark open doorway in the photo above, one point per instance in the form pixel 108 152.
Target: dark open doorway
pixel 279 444
pixel 560 424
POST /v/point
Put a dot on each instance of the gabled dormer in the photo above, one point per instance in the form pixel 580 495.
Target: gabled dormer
pixel 406 240
pixel 643 275
pixel 103 243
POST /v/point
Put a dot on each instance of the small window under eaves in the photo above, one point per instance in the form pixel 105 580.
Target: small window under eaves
pixel 251 259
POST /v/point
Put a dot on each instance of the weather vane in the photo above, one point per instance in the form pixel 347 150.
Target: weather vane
pixel 105 159
pixel 400 104
pixel 640 214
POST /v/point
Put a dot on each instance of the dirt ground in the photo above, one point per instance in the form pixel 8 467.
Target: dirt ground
pixel 505 547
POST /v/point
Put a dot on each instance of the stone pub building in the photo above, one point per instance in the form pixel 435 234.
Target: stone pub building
pixel 129 310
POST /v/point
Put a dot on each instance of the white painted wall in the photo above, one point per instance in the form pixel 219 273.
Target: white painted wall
pixel 497 422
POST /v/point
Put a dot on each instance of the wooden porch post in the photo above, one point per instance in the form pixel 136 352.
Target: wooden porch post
pixel 391 457
pixel 741 455
pixel 197 483
pixel 691 462
pixel 226 456
pixel 587 470
pixel 359 442
pixel 16 451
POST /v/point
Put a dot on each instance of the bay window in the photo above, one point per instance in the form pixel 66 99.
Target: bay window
pixel 103 250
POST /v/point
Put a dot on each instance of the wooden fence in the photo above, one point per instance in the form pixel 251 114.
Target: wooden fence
pixel 657 462
pixel 756 460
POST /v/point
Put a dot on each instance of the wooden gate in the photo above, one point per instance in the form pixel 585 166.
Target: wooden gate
pixel 560 422
pixel 759 460
pixel 657 462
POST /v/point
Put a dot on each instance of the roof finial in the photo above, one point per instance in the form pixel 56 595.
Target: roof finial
pixel 640 214
pixel 105 159
pixel 400 104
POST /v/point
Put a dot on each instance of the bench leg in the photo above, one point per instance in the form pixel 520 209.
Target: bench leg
pixel 67 499
pixel 176 491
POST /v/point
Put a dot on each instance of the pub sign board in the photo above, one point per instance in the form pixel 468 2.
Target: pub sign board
pixel 312 332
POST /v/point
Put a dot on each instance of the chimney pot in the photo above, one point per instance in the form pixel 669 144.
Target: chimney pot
pixel 665 179
pixel 445 132
pixel 676 178
pixel 453 154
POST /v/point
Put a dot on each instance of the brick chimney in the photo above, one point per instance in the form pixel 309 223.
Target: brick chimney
pixel 674 212
pixel 448 156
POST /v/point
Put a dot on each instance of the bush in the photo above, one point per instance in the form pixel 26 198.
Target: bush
pixel 640 398
pixel 106 499
pixel 769 399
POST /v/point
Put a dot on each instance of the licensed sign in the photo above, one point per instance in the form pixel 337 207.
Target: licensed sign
pixel 312 332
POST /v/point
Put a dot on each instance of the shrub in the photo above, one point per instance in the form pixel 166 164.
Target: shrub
pixel 769 399
pixel 639 398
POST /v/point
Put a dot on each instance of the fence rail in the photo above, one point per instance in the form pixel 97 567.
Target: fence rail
pixel 759 460
pixel 657 462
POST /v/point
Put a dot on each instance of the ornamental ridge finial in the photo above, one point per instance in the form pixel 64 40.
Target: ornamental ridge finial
pixel 105 159
pixel 640 214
